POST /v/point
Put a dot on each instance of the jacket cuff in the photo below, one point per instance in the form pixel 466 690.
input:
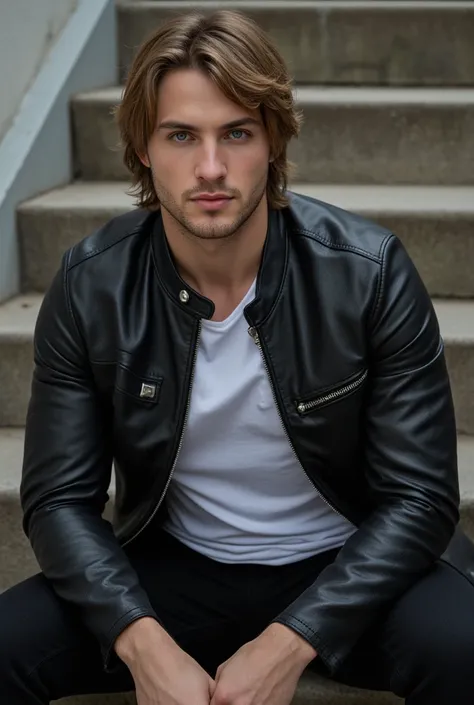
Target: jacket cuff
pixel 112 662
pixel 330 660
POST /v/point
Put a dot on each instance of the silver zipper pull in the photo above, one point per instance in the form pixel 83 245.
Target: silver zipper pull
pixel 254 334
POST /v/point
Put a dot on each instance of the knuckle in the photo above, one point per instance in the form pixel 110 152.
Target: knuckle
pixel 222 697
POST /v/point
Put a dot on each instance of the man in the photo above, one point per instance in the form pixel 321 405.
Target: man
pixel 267 373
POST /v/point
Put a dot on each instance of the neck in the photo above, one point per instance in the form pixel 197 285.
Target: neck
pixel 227 265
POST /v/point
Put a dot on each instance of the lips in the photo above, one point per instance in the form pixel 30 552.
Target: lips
pixel 214 202
pixel 217 197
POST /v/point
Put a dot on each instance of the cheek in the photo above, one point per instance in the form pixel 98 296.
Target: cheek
pixel 253 163
pixel 162 157
pixel 166 170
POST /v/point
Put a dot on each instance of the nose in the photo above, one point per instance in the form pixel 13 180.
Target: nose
pixel 210 165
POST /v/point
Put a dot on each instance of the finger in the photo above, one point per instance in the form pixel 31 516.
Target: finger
pixel 212 687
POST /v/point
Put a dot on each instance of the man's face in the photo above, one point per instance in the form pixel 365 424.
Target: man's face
pixel 204 145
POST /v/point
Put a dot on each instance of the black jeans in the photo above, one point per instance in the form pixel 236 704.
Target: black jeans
pixel 423 649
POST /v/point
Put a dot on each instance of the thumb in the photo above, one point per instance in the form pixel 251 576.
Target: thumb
pixel 212 687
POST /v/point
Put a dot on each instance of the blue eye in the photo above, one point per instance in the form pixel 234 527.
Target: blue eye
pixel 235 136
pixel 240 134
pixel 178 134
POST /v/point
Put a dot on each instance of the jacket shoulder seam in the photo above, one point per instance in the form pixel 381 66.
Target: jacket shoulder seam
pixel 98 250
pixel 342 246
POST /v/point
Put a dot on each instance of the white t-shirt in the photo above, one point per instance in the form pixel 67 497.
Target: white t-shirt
pixel 238 493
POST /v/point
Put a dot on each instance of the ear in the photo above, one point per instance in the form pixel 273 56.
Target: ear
pixel 144 159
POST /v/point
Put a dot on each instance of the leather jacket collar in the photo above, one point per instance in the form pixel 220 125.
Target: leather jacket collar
pixel 269 280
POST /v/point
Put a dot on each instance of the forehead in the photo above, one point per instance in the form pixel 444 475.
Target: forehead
pixel 189 95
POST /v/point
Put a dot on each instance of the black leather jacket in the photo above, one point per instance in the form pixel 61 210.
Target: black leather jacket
pixel 354 355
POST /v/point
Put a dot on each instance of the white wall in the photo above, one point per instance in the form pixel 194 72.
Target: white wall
pixel 36 150
pixel 28 29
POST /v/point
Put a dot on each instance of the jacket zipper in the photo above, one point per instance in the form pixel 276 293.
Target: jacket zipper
pixel 180 444
pixel 304 407
pixel 254 334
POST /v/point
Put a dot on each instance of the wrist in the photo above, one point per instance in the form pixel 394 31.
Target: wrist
pixel 298 646
pixel 137 637
pixel 306 651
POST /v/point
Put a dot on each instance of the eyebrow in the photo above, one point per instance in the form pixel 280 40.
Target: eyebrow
pixel 172 125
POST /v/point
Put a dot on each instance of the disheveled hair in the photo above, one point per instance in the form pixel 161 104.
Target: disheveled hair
pixel 246 66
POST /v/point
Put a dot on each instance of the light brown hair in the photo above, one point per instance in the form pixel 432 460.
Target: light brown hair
pixel 245 65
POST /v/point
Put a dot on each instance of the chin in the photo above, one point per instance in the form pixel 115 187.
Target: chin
pixel 202 230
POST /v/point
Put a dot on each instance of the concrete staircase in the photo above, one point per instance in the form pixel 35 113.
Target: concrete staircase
pixel 387 90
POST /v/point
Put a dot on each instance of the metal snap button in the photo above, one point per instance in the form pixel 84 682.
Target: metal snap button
pixel 148 391
pixel 184 296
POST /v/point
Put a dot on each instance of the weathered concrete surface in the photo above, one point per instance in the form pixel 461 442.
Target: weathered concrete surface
pixel 410 43
pixel 349 136
pixel 436 224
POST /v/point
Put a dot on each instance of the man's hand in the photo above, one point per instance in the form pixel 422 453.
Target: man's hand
pixel 264 671
pixel 164 674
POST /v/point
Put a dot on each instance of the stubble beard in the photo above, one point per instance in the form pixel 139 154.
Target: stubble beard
pixel 210 231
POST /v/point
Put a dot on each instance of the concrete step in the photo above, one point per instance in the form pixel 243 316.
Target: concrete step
pixel 436 223
pixel 51 223
pixel 350 135
pixel 18 316
pixel 17 562
pixel 311 690
pixel 391 43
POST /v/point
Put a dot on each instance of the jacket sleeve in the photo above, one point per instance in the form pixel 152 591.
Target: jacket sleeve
pixel 410 467
pixel 66 474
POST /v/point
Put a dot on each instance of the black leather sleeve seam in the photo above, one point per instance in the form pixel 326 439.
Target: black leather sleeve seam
pixel 68 299
pixel 378 293
pixel 416 369
pixel 43 362
pixel 74 319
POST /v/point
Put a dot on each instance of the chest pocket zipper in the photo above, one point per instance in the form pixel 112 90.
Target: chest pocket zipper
pixel 304 407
